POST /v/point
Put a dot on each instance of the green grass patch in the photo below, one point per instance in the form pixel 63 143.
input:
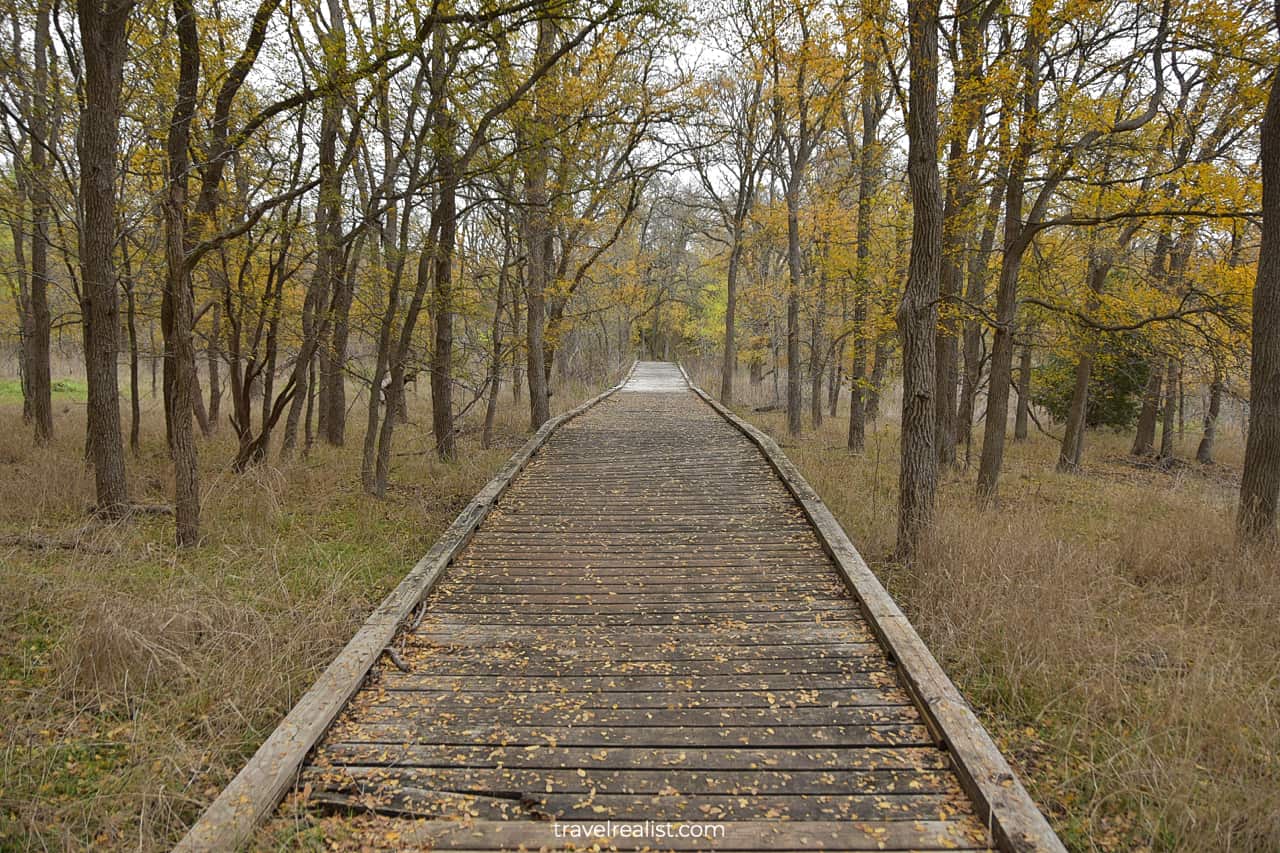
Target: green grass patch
pixel 65 389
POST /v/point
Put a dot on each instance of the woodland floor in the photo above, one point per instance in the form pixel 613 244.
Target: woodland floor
pixel 1106 629
pixel 1104 625
pixel 135 681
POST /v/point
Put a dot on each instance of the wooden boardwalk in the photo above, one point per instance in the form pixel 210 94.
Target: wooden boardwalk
pixel 648 626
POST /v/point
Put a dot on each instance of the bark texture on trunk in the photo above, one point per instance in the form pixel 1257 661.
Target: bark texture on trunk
pixel 178 294
pixel 398 360
pixel 875 383
pixel 1170 410
pixel 918 312
pixel 1022 418
pixel 1017 238
pixel 335 361
pixel 1204 452
pixel 1072 447
pixel 213 352
pixel 102 33
pixel 997 422
pixel 494 383
pixel 976 294
pixel 37 385
pixel 332 379
pixel 959 198
pixel 446 215
pixel 835 378
pixel 1144 440
pixel 816 363
pixel 730 362
pixel 327 273
pixel 795 272
pixel 135 401
pixel 861 298
pixel 538 236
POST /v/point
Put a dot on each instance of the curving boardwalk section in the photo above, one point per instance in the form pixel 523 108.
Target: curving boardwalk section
pixel 648 627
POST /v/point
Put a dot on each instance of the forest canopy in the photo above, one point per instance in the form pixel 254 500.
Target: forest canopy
pixel 296 208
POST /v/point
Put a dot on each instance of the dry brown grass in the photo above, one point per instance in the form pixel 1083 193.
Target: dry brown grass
pixel 1105 626
pixel 134 683
pixel 1120 646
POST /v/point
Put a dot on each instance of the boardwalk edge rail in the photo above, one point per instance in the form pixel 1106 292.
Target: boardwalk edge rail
pixel 1003 803
pixel 273 770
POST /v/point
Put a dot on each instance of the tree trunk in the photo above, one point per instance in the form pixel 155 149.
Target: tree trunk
pixel 379 398
pixel 259 375
pixel 948 363
pixel 328 377
pixel 1144 442
pixel 328 266
pixel 867 149
pixel 815 355
pixel 23 296
pixel 313 392
pixel 1204 453
pixel 135 403
pixel 393 261
pixel 918 313
pixel 197 400
pixel 335 383
pixel 517 356
pixel 976 295
pixel 178 287
pixel 959 197
pixel 395 386
pixel 38 385
pixel 1022 419
pixel 104 47
pixel 1072 448
pixel 151 358
pixel 1170 411
pixel 730 363
pixel 835 379
pixel 213 354
pixel 794 289
pixel 538 236
pixel 1182 407
pixel 875 383
pixel 1017 238
pixel 446 215
pixel 1001 373
pixel 131 327
pixel 494 382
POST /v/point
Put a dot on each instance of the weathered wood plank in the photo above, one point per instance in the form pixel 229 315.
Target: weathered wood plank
pixel 393 730
pixel 740 835
pixel 859 658
pixel 648 625
pixel 395 795
pixel 632 652
pixel 453 701
pixel 1001 799
pixel 562 711
pixel 391 678
pixel 463 632
pixel 651 780
pixel 816 758
pixel 272 770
